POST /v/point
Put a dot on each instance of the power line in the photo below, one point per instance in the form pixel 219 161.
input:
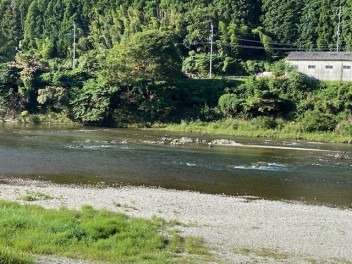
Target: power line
pixel 271 48
pixel 271 43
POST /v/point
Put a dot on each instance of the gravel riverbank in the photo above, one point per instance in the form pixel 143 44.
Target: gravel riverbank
pixel 237 229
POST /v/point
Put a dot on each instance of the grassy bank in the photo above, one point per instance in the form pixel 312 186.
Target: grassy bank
pixel 257 128
pixel 53 118
pixel 90 234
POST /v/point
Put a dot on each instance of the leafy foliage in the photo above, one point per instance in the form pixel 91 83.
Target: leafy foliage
pixel 129 57
pixel 317 121
pixel 230 104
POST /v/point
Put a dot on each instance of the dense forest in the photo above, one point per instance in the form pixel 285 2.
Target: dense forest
pixel 120 62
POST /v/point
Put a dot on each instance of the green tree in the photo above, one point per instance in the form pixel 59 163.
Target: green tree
pixel 197 19
pixel 7 49
pixel 235 11
pixel 11 102
pixel 230 104
pixel 281 18
pixel 10 21
pixel 91 104
pixel 33 26
pixel 30 67
pixel 54 98
pixel 146 68
pixel 149 55
pixel 346 36
pixel 196 63
pixel 227 45
pixel 327 25
pixel 308 25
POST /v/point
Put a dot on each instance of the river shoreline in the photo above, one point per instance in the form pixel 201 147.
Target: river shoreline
pixel 219 128
pixel 240 127
pixel 237 229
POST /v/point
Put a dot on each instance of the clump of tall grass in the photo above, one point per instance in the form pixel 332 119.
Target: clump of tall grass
pixel 85 234
pixel 8 256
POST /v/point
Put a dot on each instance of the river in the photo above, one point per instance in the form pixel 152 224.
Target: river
pixel 260 168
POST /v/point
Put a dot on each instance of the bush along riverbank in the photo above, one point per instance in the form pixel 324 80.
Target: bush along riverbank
pixel 95 235
pixel 287 105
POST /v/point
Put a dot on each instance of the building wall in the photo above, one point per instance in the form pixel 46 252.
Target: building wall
pixel 325 70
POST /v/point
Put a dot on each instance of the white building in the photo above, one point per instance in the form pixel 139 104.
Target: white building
pixel 326 66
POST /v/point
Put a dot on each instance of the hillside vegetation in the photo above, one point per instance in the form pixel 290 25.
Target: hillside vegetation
pixel 118 63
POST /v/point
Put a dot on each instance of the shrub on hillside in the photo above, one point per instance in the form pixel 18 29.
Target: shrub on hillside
pixel 316 121
pixel 230 104
pixel 264 122
pixel 344 127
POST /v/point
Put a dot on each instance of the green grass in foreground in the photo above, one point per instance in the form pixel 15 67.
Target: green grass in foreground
pixel 90 234
pixel 240 127
pixel 8 256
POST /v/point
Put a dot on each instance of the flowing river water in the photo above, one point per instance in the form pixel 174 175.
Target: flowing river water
pixel 258 167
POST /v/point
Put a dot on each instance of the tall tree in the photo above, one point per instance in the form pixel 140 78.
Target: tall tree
pixel 281 18
pixel 10 21
pixel 308 25
pixel 327 25
pixel 146 67
pixel 346 30
pixel 7 49
pixel 34 26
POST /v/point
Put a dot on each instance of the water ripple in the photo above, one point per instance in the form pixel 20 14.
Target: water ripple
pixel 264 166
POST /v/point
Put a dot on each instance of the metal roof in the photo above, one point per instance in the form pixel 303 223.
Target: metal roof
pixel 320 56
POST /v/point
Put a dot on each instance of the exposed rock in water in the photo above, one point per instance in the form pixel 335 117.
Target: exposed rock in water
pixel 182 141
pixel 186 140
pixel 341 155
pixel 152 142
pixel 224 142
pixel 200 141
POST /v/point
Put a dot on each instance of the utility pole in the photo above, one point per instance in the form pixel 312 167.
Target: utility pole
pixel 338 29
pixel 74 47
pixel 211 38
